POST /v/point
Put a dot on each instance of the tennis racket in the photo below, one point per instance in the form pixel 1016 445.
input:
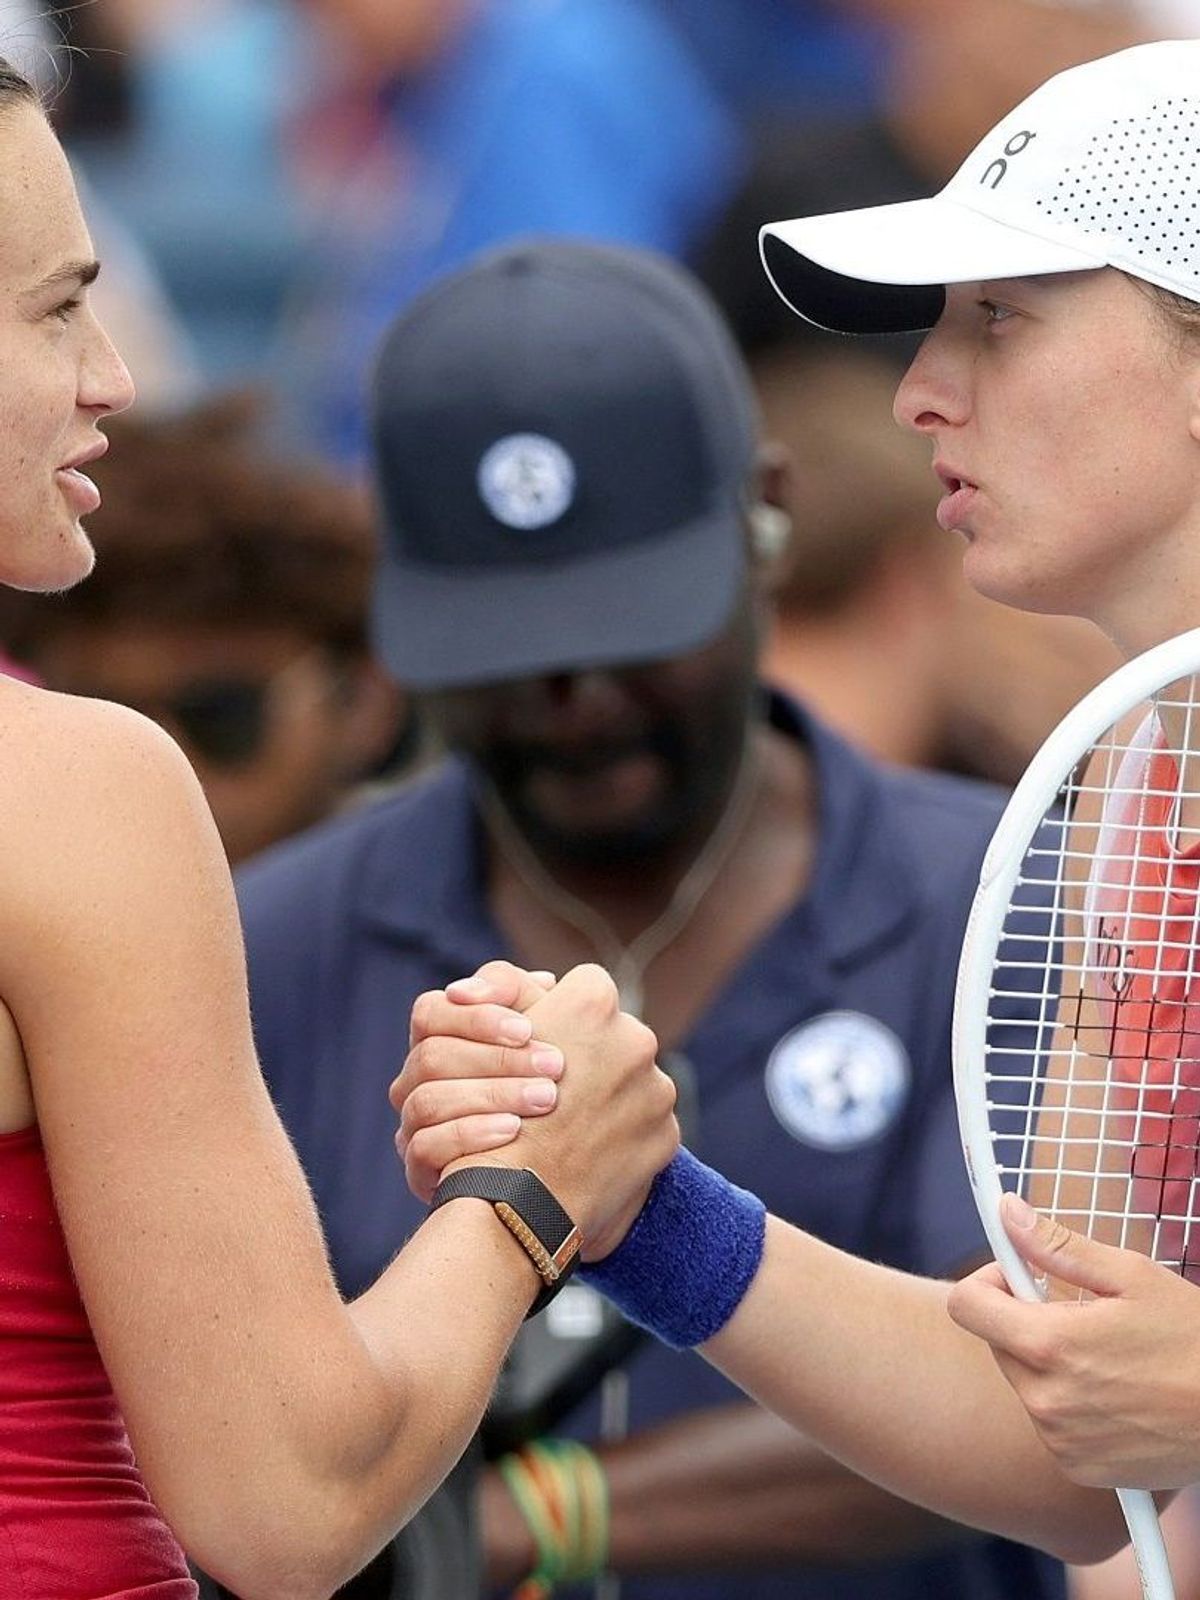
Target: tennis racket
pixel 1077 1011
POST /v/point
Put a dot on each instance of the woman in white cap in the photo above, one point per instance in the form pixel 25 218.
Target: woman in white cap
pixel 1059 272
pixel 1059 385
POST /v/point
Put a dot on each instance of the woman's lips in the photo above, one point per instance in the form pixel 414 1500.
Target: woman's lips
pixel 954 507
pixel 78 489
pixel 955 504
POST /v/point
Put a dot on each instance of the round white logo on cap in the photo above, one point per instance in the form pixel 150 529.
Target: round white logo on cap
pixel 838 1080
pixel 526 481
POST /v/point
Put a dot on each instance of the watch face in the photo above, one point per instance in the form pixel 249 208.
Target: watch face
pixel 540 1210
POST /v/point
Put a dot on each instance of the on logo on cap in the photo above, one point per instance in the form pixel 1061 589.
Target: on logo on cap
pixel 526 481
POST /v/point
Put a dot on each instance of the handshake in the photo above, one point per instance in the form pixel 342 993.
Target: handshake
pixel 514 1070
pixel 510 1069
pixel 486 1082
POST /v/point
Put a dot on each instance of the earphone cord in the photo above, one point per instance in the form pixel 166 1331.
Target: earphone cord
pixel 628 962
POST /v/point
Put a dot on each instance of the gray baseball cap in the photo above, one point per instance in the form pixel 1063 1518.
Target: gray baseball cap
pixel 563 435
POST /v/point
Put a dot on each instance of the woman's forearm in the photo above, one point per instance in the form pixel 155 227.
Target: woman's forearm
pixel 383 1408
pixel 867 1361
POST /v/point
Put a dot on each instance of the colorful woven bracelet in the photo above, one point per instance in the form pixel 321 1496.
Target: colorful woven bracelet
pixel 547 1565
pixel 560 1489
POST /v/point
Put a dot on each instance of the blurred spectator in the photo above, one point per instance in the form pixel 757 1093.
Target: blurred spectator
pixel 457 123
pixel 876 627
pixel 365 146
pixel 580 618
pixel 229 603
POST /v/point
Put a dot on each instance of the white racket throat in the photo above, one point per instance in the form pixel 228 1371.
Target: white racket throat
pixel 1076 1033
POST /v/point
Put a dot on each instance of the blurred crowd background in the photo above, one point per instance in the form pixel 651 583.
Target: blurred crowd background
pixel 269 181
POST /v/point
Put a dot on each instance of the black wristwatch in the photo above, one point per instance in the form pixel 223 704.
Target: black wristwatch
pixel 531 1214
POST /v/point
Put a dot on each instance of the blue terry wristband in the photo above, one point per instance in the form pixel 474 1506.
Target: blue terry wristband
pixel 683 1267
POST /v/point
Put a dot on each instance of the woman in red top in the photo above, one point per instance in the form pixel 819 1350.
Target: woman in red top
pixel 284 1435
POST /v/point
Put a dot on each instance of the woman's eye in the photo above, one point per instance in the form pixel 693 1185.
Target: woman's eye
pixel 66 310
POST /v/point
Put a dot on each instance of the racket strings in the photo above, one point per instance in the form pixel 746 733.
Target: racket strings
pixel 1093 1054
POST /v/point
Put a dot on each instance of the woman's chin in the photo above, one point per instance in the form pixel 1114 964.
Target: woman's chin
pixel 1007 586
pixel 49 572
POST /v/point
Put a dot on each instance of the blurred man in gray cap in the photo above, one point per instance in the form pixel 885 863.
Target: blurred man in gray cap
pixel 579 527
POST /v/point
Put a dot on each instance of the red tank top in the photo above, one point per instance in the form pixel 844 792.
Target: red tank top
pixel 76 1522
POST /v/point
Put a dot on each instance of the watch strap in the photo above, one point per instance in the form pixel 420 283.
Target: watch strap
pixel 541 1226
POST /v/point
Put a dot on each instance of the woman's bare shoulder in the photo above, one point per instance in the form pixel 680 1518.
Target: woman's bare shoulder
pixel 78 744
pixel 82 779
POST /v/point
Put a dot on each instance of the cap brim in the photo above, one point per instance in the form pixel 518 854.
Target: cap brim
pixel 883 269
pixel 441 628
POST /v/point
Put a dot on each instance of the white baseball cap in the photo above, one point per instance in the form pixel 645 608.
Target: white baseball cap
pixel 1099 167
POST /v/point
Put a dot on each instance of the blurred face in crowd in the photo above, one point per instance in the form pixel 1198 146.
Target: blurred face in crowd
pixel 266 716
pixel 1064 415
pixel 59 374
pixel 613 764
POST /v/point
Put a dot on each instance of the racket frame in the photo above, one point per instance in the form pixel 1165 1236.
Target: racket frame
pixel 1034 797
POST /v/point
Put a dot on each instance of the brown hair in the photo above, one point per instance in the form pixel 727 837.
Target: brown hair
pixel 201 527
pixel 1183 314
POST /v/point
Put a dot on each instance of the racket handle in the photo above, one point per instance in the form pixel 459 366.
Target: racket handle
pixel 1149 1547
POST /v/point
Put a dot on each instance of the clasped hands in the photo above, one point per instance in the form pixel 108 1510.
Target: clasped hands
pixel 1110 1381
pixel 485 1080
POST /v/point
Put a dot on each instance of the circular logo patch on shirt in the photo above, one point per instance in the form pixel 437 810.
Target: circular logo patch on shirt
pixel 526 481
pixel 838 1081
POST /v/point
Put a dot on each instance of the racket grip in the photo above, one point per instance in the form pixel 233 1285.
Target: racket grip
pixel 682 1269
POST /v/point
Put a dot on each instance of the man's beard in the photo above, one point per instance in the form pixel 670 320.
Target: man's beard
pixel 694 787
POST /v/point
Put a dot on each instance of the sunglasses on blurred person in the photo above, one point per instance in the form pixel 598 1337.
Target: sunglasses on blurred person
pixel 224 719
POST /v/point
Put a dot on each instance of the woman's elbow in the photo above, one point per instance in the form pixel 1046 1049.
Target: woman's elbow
pixel 307 1574
pixel 296 1556
pixel 1088 1534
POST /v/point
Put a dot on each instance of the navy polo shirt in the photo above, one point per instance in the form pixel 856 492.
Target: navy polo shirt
pixel 822 1069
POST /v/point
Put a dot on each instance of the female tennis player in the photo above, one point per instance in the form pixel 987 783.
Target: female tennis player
pixel 1059 274
pixel 161 1265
